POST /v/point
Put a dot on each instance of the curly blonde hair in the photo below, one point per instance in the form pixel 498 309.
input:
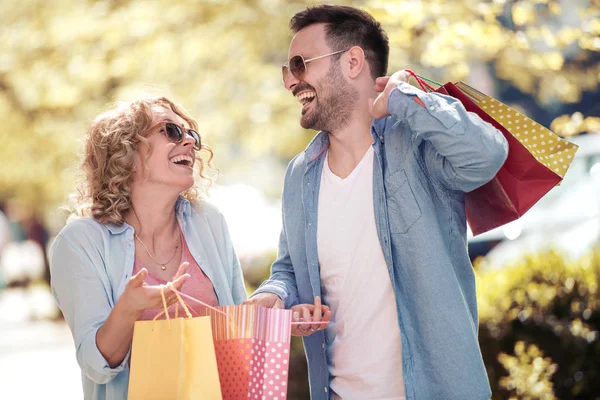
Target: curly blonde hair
pixel 104 192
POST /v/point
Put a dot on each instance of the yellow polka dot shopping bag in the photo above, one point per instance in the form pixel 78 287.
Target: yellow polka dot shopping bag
pixel 537 159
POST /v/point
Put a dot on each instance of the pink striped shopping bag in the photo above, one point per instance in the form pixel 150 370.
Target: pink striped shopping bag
pixel 252 345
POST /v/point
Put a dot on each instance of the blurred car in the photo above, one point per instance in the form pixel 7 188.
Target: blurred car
pixel 567 218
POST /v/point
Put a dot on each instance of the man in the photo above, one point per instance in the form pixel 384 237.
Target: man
pixel 374 220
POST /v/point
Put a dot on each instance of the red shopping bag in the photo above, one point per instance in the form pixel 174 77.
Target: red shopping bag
pixel 537 160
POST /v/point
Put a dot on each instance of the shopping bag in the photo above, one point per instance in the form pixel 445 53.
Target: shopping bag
pixel 537 160
pixel 174 359
pixel 252 345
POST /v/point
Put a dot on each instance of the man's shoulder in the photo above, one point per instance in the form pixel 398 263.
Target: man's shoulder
pixel 296 167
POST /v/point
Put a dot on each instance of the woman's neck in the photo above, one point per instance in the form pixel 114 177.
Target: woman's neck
pixel 152 215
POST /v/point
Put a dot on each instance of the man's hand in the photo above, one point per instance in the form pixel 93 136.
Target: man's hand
pixel 268 300
pixel 317 313
pixel 385 84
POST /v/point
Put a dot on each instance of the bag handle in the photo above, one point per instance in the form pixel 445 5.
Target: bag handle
pixel 421 80
pixel 178 294
pixel 187 311
pixel 179 301
pixel 166 309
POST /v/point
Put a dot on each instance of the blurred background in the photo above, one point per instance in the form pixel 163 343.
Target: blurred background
pixel 63 62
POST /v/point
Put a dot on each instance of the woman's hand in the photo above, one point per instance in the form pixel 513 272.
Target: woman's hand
pixel 115 335
pixel 139 296
pixel 317 313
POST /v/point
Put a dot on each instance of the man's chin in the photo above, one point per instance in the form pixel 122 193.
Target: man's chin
pixel 309 121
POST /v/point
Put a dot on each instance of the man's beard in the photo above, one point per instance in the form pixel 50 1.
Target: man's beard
pixel 334 105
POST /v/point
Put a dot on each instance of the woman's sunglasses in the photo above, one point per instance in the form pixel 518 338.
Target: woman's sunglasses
pixel 297 65
pixel 175 133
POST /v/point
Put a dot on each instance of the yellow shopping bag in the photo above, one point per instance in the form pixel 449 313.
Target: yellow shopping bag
pixel 174 359
pixel 546 146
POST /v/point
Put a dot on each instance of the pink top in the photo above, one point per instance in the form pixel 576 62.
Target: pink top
pixel 197 286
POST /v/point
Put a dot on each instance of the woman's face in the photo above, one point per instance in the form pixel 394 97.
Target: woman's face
pixel 170 165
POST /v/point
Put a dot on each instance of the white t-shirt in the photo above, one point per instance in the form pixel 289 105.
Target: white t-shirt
pixel 364 350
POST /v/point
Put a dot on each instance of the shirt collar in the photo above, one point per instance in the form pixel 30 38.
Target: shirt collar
pixel 317 146
pixel 320 142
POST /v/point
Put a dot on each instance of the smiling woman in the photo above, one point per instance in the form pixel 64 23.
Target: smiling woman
pixel 138 189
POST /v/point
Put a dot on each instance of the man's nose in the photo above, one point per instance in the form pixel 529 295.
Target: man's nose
pixel 290 81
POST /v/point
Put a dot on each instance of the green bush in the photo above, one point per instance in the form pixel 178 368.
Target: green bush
pixel 539 327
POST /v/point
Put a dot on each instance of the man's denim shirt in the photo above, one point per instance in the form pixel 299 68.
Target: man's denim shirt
pixel 427 156
pixel 91 263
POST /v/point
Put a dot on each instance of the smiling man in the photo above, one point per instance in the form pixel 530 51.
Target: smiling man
pixel 374 220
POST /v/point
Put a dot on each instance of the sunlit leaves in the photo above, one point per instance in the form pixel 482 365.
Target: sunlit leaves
pixel 61 65
pixel 529 373
pixel 566 125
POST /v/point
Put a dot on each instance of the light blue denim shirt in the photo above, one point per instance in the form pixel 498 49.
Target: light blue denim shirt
pixel 90 263
pixel 426 159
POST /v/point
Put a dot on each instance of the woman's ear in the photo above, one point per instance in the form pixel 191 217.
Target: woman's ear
pixel 355 61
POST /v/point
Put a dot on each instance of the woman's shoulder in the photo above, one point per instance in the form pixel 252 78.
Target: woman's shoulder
pixel 206 217
pixel 82 229
pixel 206 209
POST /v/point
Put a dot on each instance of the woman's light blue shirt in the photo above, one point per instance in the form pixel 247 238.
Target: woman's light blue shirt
pixel 91 262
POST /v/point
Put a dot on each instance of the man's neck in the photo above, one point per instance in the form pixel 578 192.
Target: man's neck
pixel 348 145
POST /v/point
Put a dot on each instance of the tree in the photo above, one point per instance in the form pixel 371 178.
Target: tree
pixel 61 65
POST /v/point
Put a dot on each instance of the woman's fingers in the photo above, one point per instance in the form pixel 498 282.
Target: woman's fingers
pixel 182 268
pixel 138 279
pixel 177 283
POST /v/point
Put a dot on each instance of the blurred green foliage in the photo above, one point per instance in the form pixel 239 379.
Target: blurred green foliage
pixel 61 62
pixel 540 327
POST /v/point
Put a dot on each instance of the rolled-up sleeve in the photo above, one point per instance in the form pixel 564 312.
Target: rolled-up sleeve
pixel 464 151
pixel 83 295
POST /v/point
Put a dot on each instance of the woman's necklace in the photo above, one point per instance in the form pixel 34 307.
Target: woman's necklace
pixel 163 266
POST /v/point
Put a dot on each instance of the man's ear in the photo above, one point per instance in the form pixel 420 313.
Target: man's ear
pixel 356 62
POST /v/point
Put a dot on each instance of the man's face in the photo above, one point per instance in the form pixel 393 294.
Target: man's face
pixel 326 97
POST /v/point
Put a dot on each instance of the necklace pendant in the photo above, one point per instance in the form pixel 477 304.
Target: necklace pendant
pixel 163 267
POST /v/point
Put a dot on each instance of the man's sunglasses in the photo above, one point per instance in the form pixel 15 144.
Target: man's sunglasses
pixel 175 133
pixel 297 65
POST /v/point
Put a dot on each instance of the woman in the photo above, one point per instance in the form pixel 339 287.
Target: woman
pixel 144 226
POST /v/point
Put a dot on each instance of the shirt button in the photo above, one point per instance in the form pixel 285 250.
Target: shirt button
pixel 322 345
pixel 326 390
pixel 431 108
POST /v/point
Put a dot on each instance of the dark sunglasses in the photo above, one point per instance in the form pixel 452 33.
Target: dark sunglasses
pixel 297 65
pixel 175 133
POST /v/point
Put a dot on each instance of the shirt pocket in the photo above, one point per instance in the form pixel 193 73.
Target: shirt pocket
pixel 403 209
